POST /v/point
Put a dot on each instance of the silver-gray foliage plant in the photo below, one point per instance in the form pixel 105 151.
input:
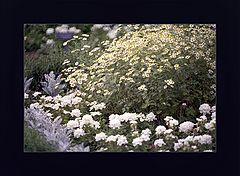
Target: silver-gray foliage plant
pixel 27 83
pixel 54 132
pixel 51 85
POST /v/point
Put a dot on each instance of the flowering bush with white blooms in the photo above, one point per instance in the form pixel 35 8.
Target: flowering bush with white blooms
pixel 148 88
pixel 135 132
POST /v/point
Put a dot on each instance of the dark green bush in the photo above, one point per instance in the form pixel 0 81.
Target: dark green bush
pixel 36 68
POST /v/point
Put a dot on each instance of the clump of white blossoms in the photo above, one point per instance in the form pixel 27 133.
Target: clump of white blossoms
pixel 76 113
pixel 64 29
pixel 76 100
pixel 127 131
pixel 137 141
pixel 203 139
pixel 87 119
pixel 112 138
pixel 72 124
pixel 202 118
pixel 211 125
pixel 170 121
pixel 146 132
pixel 173 122
pixel 121 140
pixel 159 142
pixel 145 135
pixel 213 109
pixel 49 31
pixel 177 146
pixel 114 123
pixel 151 117
pixel 128 117
pixel 96 106
pixel 100 136
pixel 168 131
pixel 205 109
pixel 160 129
pixel 95 113
pixel 186 126
pixel 78 132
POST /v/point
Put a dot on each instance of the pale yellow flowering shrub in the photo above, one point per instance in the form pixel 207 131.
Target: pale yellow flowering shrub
pixel 167 69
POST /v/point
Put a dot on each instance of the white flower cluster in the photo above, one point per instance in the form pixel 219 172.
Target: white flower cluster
pixel 137 141
pixel 193 142
pixel 77 125
pixel 211 125
pixel 115 119
pixel 112 138
pixel 205 109
pixel 112 30
pixel 100 136
pixel 95 106
pixel 150 117
pixel 65 29
pixel 115 123
pixel 186 126
pixel 171 122
pixel 49 31
pixel 173 134
pixel 160 129
pixel 120 139
pixel 76 113
pixel 202 118
pixel 78 132
pixel 203 139
pixel 145 136
pixel 159 142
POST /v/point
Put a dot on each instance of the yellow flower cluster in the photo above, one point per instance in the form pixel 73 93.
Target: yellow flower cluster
pixel 134 57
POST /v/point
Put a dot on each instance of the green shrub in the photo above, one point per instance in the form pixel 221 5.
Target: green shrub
pixel 167 69
pixel 45 63
pixel 39 61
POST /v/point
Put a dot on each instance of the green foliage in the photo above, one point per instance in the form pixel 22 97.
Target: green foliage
pixel 41 60
pixel 33 142
pixel 45 63
pixel 34 36
pixel 176 64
